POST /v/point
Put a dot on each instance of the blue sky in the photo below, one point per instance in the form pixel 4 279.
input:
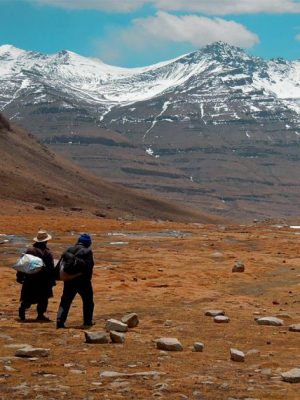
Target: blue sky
pixel 141 32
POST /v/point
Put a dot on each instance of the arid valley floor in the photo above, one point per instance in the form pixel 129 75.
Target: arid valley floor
pixel 169 274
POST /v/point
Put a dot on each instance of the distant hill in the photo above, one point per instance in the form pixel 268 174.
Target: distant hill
pixel 31 173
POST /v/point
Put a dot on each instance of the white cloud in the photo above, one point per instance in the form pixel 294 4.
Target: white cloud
pixel 211 7
pixel 297 37
pixel 102 5
pixel 157 35
pixel 224 7
pixel 192 29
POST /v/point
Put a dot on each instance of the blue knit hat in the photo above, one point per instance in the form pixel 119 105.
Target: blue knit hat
pixel 85 239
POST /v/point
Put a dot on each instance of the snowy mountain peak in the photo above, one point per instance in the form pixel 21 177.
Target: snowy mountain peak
pixel 7 50
pixel 224 52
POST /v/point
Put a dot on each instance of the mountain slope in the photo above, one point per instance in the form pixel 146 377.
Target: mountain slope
pixel 30 173
pixel 217 129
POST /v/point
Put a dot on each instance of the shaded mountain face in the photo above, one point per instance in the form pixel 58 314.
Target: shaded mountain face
pixel 216 128
pixel 31 174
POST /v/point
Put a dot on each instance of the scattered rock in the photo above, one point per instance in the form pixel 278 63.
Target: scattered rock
pixel 291 376
pixel 169 344
pixel 9 368
pixel 294 328
pixel 131 320
pixel 214 313
pixel 113 374
pixel 96 337
pixel 284 315
pixel 237 355
pixel 273 321
pixel 221 319
pixel 217 254
pixel 29 351
pixel 238 267
pixel 77 371
pixel 115 325
pixel 42 208
pixel 117 337
pixel 266 371
pixel 198 347
pixel 253 352
pixel 75 208
pixel 101 214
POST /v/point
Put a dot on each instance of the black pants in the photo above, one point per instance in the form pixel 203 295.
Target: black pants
pixel 85 290
pixel 41 307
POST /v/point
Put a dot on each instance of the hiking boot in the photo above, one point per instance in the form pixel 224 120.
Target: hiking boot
pixel 22 314
pixel 87 325
pixel 43 318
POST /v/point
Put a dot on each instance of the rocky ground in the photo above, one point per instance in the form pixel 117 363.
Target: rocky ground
pixel 170 275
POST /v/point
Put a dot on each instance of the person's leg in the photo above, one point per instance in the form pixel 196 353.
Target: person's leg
pixel 41 309
pixel 86 293
pixel 67 297
pixel 22 310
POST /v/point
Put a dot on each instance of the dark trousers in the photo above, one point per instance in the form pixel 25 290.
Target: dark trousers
pixel 85 290
pixel 41 307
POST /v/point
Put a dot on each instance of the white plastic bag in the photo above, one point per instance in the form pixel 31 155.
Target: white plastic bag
pixel 29 264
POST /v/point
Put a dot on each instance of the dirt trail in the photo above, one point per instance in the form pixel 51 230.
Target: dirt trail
pixel 169 274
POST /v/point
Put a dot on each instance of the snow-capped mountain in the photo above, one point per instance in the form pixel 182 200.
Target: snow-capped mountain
pixel 72 78
pixel 217 103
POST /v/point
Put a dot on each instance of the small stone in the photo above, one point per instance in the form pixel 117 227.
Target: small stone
pixel 29 351
pixel 214 313
pixel 42 208
pixel 77 371
pixel 96 337
pixel 198 347
pixel 237 355
pixel 131 320
pixel 221 319
pixel 238 267
pixel 294 328
pixel 253 352
pixel 291 376
pixel 115 325
pixel 284 316
pixel 117 337
pixel 9 368
pixel 114 374
pixel 169 344
pixel 273 321
pixel 217 254
pixel 266 371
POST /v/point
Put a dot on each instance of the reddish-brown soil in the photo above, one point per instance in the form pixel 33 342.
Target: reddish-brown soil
pixel 170 281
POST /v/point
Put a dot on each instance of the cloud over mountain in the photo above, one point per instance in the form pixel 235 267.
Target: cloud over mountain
pixel 164 29
pixel 212 7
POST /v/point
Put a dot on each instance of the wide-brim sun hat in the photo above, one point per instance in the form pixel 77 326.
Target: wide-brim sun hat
pixel 42 236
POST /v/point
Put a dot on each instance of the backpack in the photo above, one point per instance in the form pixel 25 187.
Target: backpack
pixel 69 266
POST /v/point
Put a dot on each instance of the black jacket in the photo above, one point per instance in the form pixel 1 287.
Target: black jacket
pixel 86 254
pixel 37 287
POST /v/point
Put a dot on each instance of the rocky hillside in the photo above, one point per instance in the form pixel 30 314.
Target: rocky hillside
pixel 31 173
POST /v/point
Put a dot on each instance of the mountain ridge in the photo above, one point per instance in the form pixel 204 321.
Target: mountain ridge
pixel 216 128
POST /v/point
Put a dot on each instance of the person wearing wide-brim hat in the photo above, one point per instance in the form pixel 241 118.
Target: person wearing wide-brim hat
pixel 37 288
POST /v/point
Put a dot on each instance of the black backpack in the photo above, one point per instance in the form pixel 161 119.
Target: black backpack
pixel 69 264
